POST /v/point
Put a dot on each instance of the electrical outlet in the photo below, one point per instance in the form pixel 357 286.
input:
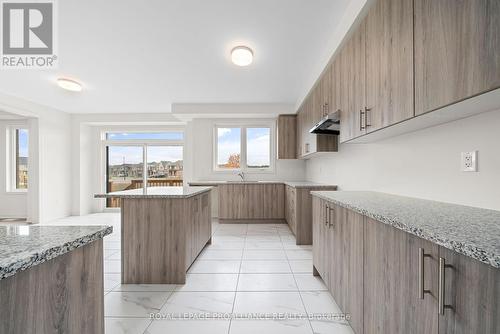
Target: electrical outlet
pixel 469 161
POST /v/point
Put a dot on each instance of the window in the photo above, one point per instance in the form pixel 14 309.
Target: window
pixel 138 159
pixel 18 159
pixel 170 135
pixel 228 148
pixel 243 148
pixel 258 148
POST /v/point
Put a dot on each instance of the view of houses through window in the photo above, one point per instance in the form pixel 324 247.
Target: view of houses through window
pixel 243 148
pixel 157 160
pixel 21 158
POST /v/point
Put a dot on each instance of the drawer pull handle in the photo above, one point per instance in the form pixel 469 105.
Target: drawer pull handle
pixel 327 218
pixel 442 276
pixel 332 224
pixel 421 273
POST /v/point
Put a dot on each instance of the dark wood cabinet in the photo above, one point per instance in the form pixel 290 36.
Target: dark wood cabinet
pixel 286 133
pixel 457 51
pixel 389 64
pixel 471 295
pixel 392 270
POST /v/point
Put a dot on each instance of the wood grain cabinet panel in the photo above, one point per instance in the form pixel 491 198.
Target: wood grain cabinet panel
pixel 472 290
pixel 241 202
pixel 321 247
pixel 287 136
pixel 62 295
pixel 457 51
pixel 389 63
pixel 391 282
pixel 351 300
pixel 352 58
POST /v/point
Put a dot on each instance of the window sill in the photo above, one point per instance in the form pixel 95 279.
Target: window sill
pixel 16 192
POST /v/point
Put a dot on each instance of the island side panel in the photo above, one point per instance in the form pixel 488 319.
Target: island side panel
pixel 62 295
pixel 154 240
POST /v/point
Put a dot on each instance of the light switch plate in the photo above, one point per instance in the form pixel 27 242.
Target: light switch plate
pixel 469 161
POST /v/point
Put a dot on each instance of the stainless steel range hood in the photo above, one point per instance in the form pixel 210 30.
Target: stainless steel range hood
pixel 330 125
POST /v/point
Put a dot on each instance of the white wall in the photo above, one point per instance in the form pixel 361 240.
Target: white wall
pixel 50 158
pixel 424 164
pixel 12 205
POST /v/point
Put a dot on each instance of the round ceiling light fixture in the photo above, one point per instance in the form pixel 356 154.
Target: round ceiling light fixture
pixel 69 84
pixel 242 55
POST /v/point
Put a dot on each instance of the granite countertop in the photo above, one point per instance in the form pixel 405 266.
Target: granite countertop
pixel 22 247
pixel 294 184
pixel 470 231
pixel 157 192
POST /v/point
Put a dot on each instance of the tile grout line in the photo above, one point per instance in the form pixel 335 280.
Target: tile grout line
pixel 237 281
pixel 300 294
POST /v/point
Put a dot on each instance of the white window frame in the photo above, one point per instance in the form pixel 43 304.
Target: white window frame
pixel 11 167
pixel 243 147
pixel 138 143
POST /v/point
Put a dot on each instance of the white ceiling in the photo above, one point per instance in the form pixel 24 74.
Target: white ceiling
pixel 142 56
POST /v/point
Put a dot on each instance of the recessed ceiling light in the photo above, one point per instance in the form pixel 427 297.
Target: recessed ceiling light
pixel 69 84
pixel 242 56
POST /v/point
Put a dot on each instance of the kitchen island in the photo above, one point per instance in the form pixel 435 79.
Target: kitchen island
pixel 51 279
pixel 163 231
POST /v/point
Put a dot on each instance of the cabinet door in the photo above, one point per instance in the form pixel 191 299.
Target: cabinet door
pixel 300 137
pixel 351 285
pixel 287 136
pixel 389 63
pixel 336 258
pixel 320 238
pixel 457 51
pixel 336 84
pixel 472 289
pixel 352 122
pixel 326 91
pixel 391 282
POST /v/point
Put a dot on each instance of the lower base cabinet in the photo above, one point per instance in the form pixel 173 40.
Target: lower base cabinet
pixel 392 295
pixel 388 281
pixel 471 295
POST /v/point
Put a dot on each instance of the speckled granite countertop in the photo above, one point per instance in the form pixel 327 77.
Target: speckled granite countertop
pixel 294 184
pixel 22 247
pixel 157 192
pixel 470 231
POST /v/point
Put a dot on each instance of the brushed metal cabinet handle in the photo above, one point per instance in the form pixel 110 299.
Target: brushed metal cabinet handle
pixel 442 277
pixel 366 116
pixel 421 273
pixel 327 217
pixel 331 224
pixel 361 127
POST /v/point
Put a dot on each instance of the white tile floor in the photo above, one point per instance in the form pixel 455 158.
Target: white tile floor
pixel 249 269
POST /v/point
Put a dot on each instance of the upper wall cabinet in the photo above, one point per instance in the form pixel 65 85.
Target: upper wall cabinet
pixel 287 136
pixel 389 64
pixel 457 51
pixel 352 86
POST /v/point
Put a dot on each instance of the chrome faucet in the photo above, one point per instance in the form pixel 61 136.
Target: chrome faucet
pixel 242 175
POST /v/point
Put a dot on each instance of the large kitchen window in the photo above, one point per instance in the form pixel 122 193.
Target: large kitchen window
pixel 136 160
pixel 18 159
pixel 245 148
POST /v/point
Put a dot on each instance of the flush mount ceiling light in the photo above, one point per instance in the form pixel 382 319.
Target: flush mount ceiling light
pixel 69 84
pixel 242 56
